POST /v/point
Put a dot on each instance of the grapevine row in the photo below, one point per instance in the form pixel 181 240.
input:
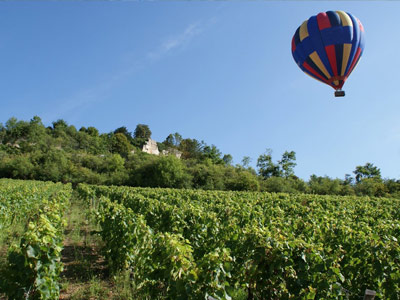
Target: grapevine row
pixel 274 246
pixel 33 261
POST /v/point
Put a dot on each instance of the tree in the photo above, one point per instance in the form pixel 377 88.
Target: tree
pixel 287 163
pixel 11 123
pixel 367 171
pixel 371 186
pixel 16 130
pixel 18 167
pixel 208 176
pixel 2 133
pixel 242 180
pixel 53 166
pixel 284 167
pixel 246 162
pixel 120 144
pixel 213 153
pixel 60 123
pixel 166 171
pixel 266 167
pixel 325 185
pixel 228 159
pixel 59 129
pixel 142 131
pixel 124 131
pixel 348 180
pixel 276 184
pixel 92 131
pixel 191 148
pixel 173 140
pixel 169 140
pixel 71 131
pixel 36 130
pixel 393 187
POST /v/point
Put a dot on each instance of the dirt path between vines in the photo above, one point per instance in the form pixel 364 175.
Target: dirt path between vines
pixel 84 266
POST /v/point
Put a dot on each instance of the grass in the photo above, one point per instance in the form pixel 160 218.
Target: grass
pixel 85 275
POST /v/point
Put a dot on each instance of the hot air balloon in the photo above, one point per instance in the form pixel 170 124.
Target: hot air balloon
pixel 328 46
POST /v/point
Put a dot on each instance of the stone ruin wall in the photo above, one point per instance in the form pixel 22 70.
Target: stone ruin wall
pixel 152 148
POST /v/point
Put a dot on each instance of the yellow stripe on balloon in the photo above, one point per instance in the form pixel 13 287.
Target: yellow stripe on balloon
pixel 335 82
pixel 346 20
pixel 316 60
pixel 303 31
pixel 346 55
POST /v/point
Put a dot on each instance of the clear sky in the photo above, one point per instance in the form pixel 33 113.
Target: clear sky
pixel 216 71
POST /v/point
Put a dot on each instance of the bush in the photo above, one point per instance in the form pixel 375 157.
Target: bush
pixel 166 171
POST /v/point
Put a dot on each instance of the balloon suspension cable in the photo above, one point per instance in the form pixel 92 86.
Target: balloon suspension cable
pixel 339 93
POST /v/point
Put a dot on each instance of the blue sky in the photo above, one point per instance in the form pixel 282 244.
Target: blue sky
pixel 219 71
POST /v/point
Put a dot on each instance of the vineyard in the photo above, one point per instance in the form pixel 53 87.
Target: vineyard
pixel 33 259
pixel 194 244
pixel 186 244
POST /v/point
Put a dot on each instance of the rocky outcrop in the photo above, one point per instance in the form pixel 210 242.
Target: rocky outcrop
pixel 151 147
pixel 172 151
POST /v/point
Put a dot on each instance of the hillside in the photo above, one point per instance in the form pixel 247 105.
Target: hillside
pixel 62 153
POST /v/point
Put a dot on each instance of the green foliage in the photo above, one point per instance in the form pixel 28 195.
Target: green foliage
pixel 92 131
pixel 142 131
pixel 139 142
pixel 120 144
pixel 53 167
pixel 208 176
pixel 60 124
pixel 33 265
pixel 212 153
pixel 90 142
pixel 173 140
pixel 370 187
pixel 187 244
pixel 328 186
pixel 161 147
pixel 125 132
pixel 191 148
pixel 15 130
pixel 167 171
pixel 393 187
pixel 3 132
pixel 29 150
pixel 36 130
pixel 324 185
pixel 20 167
pixel 242 180
pixel 154 259
pixel 287 163
pixel 266 167
pixel 246 162
pixel 367 171
pixel 284 185
pixel 283 168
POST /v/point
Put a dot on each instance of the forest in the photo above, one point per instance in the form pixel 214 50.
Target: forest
pixel 62 153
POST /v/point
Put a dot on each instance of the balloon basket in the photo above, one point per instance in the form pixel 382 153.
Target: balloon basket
pixel 339 93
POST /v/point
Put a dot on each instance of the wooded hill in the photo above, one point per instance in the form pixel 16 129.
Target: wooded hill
pixel 61 153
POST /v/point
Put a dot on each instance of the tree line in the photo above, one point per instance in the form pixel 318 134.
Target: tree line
pixel 62 153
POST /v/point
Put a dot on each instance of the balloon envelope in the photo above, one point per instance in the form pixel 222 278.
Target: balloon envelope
pixel 328 46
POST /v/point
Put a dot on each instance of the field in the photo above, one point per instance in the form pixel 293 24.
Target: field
pixel 142 243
